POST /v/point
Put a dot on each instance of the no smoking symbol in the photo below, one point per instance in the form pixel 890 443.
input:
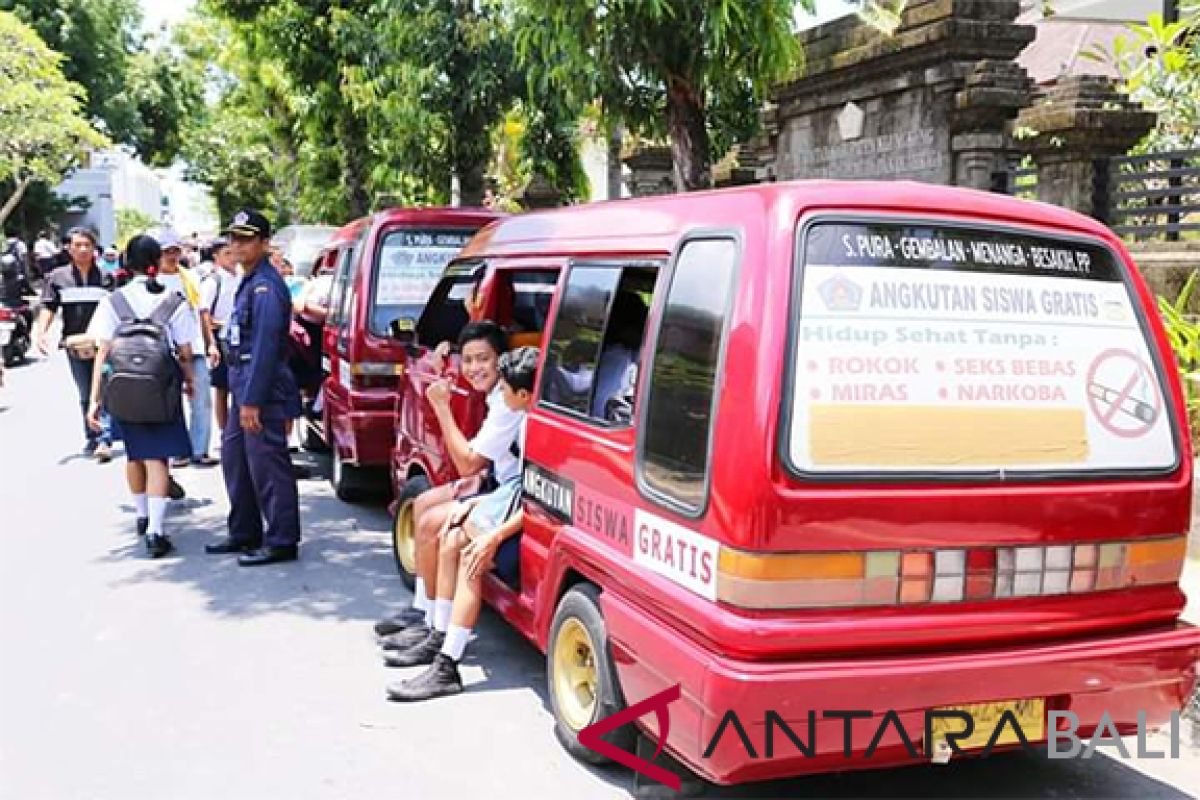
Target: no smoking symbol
pixel 1123 394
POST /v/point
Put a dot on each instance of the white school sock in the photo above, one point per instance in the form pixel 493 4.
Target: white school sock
pixel 420 599
pixel 158 510
pixel 441 614
pixel 139 502
pixel 456 642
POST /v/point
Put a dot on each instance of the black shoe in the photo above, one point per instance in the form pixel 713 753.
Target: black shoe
pixel 402 640
pixel 408 618
pixel 158 545
pixel 440 680
pixel 269 555
pixel 421 653
pixel 175 491
pixel 229 546
pixel 143 524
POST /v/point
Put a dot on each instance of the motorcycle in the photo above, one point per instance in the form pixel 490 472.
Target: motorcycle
pixel 16 316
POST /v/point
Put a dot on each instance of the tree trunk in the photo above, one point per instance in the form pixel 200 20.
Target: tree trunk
pixel 353 142
pixel 615 137
pixel 14 198
pixel 690 147
pixel 470 182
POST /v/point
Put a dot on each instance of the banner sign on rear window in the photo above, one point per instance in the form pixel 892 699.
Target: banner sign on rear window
pixel 950 349
pixel 412 262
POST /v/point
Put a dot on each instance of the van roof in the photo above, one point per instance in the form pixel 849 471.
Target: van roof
pixel 431 215
pixel 654 224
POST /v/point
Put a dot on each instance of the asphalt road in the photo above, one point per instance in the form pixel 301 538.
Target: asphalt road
pixel 190 677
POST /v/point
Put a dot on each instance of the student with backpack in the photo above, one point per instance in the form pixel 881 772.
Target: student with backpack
pixel 144 362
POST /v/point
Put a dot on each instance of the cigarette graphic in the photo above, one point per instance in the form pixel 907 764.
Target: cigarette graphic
pixel 1130 406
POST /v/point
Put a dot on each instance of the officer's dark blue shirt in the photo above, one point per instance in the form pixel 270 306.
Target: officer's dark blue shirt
pixel 258 343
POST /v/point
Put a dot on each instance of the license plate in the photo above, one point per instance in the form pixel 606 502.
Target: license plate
pixel 6 330
pixel 1030 714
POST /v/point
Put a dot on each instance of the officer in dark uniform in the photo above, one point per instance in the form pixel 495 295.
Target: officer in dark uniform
pixel 254 446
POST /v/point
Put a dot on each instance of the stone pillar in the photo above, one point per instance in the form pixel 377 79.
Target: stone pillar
pixel 651 172
pixel 539 193
pixel 1072 131
pixel 931 102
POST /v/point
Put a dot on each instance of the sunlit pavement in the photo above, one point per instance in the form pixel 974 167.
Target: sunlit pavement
pixel 189 677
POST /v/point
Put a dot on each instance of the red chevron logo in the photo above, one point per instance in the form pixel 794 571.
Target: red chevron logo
pixel 589 737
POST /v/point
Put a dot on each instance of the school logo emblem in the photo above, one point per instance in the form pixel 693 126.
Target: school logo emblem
pixel 841 294
pixel 241 218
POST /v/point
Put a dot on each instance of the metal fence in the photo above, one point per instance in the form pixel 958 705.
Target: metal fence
pixel 1153 196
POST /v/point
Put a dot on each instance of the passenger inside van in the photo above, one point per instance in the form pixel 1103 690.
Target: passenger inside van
pixel 622 347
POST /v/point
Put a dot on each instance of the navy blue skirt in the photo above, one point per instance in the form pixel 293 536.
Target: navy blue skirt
pixel 158 442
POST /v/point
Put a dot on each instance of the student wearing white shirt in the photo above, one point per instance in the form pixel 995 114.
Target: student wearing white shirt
pixel 481 344
pixel 148 446
pixel 204 354
pixel 217 294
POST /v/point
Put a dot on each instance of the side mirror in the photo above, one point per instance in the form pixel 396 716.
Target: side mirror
pixel 404 330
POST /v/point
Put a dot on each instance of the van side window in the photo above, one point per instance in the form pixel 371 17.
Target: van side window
pixel 570 371
pixel 446 314
pixel 524 310
pixel 594 353
pixel 680 402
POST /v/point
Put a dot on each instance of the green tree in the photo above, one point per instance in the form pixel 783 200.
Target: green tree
pixel 42 131
pixel 696 70
pixel 1159 63
pixel 439 84
pixel 130 223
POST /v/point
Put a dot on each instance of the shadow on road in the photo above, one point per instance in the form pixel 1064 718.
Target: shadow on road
pixel 347 574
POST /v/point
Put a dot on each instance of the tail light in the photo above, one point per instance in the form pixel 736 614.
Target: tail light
pixel 375 375
pixel 7 314
pixel 817 580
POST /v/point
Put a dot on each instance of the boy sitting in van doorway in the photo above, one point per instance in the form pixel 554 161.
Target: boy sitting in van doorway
pixel 481 345
pixel 480 533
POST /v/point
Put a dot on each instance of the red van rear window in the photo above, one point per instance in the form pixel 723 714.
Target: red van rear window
pixel 944 349
pixel 411 263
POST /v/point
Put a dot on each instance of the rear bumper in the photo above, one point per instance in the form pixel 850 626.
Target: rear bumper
pixel 364 437
pixel 1151 672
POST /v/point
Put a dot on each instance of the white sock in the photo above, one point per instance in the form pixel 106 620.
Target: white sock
pixel 139 502
pixel 420 599
pixel 456 642
pixel 158 510
pixel 441 614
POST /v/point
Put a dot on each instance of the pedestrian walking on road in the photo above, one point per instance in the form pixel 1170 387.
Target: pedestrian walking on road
pixel 217 294
pixel 205 355
pixel 77 289
pixel 144 332
pixel 254 449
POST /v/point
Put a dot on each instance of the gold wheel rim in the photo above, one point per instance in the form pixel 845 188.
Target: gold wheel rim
pixel 576 679
pixel 404 538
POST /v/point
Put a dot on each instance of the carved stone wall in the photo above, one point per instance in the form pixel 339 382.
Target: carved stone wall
pixel 931 102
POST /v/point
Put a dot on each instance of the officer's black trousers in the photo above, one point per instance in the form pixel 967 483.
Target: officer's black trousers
pixel 260 481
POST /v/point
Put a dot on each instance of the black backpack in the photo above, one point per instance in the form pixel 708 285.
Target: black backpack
pixel 144 385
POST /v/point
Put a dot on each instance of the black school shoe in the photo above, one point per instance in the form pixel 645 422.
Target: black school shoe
pixel 408 618
pixel 440 680
pixel 143 525
pixel 402 640
pixel 271 554
pixel 158 545
pixel 422 653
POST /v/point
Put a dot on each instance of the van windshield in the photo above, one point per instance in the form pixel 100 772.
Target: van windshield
pixel 946 349
pixel 409 266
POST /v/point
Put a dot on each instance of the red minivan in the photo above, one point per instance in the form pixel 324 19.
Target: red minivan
pixel 810 449
pixel 383 280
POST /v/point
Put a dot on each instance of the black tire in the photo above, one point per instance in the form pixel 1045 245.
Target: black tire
pixel 581 605
pixel 408 493
pixel 346 481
